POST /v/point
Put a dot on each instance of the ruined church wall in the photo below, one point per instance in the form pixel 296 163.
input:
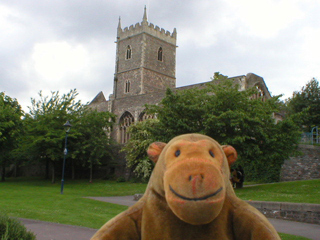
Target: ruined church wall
pixel 305 166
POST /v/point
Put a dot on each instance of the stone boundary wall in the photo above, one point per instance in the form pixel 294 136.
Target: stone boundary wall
pixel 299 212
pixel 303 167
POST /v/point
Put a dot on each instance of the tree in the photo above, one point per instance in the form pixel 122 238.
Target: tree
pixel 89 141
pixel 45 134
pixel 306 103
pixel 182 109
pixel 232 117
pixel 93 145
pixel 141 136
pixel 10 129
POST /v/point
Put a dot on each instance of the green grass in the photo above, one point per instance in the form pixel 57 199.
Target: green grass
pixel 298 192
pixel 41 200
pixel 291 237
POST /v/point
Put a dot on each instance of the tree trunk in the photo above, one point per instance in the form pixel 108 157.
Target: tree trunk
pixel 53 177
pixel 91 166
pixel 47 169
pixel 73 170
pixel 15 170
pixel 3 175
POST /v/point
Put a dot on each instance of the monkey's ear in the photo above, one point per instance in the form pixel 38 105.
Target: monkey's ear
pixel 154 150
pixel 230 153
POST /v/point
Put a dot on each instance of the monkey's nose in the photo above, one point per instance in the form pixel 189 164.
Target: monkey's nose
pixel 194 177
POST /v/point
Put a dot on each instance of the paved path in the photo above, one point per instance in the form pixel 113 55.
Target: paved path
pixel 54 231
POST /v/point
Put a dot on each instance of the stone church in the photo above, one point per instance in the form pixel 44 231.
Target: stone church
pixel 145 67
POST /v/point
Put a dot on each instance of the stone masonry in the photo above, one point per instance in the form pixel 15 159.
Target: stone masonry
pixel 300 212
pixel 145 67
pixel 304 166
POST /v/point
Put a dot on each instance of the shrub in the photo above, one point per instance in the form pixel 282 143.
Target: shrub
pixel 12 229
pixel 120 179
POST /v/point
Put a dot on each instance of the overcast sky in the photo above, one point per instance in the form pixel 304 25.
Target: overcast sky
pixel 58 45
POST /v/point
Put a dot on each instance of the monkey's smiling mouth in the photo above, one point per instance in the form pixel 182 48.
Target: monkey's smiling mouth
pixel 195 199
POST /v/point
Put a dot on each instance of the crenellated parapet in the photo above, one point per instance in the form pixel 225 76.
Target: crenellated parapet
pixel 149 28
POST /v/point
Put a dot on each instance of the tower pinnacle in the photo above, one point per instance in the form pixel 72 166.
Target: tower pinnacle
pixel 119 24
pixel 119 28
pixel 145 19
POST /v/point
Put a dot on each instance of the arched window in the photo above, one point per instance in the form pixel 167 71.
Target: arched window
pixel 160 54
pixel 125 121
pixel 128 55
pixel 260 93
pixel 143 116
pixel 127 86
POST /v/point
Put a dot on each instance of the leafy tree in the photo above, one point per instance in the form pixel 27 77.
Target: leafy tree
pixel 179 112
pixel 232 117
pixel 45 134
pixel 10 129
pixel 306 103
pixel 93 145
pixel 89 142
pixel 141 136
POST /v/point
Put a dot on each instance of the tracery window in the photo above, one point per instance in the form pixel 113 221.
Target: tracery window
pixel 143 116
pixel 127 86
pixel 126 121
pixel 129 52
pixel 160 54
pixel 260 93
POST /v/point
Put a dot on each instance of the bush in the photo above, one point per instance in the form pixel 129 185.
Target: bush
pixel 12 229
pixel 120 180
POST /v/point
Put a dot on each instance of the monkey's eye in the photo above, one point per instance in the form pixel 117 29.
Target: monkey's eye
pixel 211 153
pixel 177 153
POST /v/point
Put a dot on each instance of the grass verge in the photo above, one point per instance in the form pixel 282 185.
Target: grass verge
pixel 297 192
pixel 41 200
pixel 284 236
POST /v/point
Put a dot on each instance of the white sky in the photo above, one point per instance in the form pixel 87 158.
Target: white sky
pixel 58 45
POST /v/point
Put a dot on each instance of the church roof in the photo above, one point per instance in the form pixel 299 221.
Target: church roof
pixel 99 98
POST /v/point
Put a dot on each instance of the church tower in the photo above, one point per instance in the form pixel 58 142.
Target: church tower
pixel 145 59
pixel 145 67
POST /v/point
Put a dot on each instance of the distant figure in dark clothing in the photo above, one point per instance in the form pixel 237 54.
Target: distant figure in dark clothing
pixel 237 177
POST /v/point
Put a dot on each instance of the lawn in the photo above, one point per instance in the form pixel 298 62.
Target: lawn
pixel 39 199
pixel 298 192
pixel 291 237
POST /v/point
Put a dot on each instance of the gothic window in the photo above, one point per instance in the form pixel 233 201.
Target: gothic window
pixel 260 93
pixel 128 54
pixel 125 121
pixel 143 116
pixel 160 54
pixel 127 86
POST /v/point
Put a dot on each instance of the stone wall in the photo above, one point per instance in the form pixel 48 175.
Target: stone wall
pixel 300 212
pixel 32 170
pixel 304 166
